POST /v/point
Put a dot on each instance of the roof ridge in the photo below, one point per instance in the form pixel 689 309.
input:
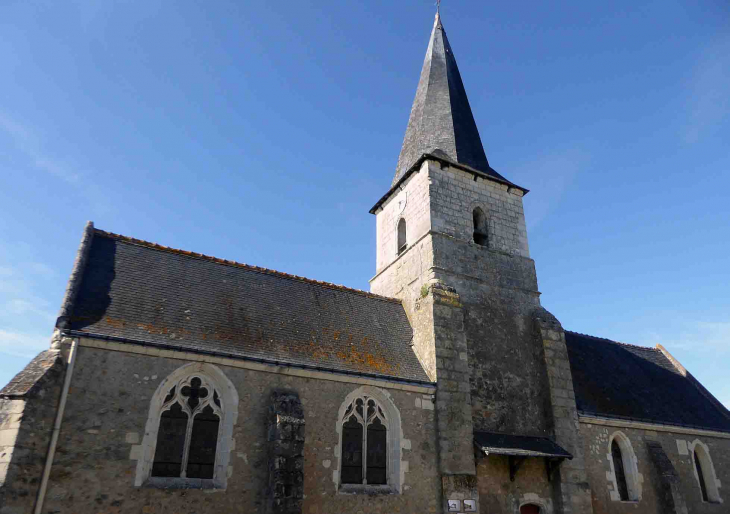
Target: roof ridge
pixel 226 262
pixel 614 342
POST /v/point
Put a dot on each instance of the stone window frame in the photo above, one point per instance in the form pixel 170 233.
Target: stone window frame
pixel 401 246
pixel 712 484
pixel 396 468
pixel 634 479
pixel 487 232
pixel 229 415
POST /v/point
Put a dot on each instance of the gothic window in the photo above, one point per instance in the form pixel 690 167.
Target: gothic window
pixel 369 426
pixel 188 433
pixel 624 475
pixel 481 236
pixel 189 430
pixel 402 241
pixel 704 472
pixel 364 450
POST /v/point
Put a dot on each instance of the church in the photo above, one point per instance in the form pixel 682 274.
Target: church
pixel 180 383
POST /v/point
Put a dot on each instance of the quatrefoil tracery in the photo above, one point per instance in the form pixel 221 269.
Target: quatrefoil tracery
pixel 192 394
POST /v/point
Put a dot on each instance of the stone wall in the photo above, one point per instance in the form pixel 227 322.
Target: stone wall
pixel 454 194
pixel 103 430
pixel 656 494
pixel 497 494
pixel 26 425
pixel 571 484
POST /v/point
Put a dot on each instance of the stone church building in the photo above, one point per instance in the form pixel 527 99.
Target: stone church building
pixel 180 383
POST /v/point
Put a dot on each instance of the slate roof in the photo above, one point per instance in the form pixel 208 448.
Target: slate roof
pixel 146 293
pixel 493 443
pixel 25 383
pixel 634 382
pixel 441 117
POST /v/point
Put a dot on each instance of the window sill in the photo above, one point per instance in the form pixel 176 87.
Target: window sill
pixel 371 490
pixel 181 483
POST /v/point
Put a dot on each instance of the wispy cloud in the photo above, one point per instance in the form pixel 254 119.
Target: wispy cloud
pixel 27 142
pixel 708 103
pixel 700 336
pixel 549 178
pixel 21 344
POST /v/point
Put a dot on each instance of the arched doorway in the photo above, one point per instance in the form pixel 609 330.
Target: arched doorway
pixel 530 508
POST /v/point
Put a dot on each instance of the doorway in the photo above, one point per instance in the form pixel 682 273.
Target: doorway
pixel 530 508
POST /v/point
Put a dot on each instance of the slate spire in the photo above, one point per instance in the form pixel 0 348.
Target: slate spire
pixel 441 118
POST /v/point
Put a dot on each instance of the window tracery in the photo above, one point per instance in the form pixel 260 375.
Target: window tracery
pixel 364 443
pixel 188 432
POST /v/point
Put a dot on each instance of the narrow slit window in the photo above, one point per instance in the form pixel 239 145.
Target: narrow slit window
pixel 481 235
pixel 701 477
pixel 402 239
pixel 618 467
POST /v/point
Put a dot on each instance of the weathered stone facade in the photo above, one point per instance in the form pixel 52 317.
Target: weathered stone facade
pixel 26 426
pixel 103 428
pixel 453 391
pixel 666 488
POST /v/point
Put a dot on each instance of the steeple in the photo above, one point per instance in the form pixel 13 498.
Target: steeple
pixel 441 118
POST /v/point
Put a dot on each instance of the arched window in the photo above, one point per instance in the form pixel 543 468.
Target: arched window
pixel 618 469
pixel 369 450
pixel 705 472
pixel 481 233
pixel 624 474
pixel 189 428
pixel 402 240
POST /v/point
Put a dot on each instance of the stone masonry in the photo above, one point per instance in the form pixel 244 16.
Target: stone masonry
pixel 572 488
pixel 286 453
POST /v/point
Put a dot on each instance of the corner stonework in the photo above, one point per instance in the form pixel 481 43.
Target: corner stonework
pixel 286 453
pixel 453 401
pixel 571 488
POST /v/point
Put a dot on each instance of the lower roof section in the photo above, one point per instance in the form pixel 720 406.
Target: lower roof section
pixel 492 443
pixel 628 382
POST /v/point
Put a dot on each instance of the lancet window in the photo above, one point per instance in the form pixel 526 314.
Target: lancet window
pixel 402 237
pixel 364 443
pixel 188 432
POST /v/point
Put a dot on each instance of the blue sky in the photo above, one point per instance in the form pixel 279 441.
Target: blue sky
pixel 264 131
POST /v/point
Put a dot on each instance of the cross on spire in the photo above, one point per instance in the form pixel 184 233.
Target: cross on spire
pixel 438 6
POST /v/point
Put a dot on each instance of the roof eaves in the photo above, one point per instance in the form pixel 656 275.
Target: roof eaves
pixel 582 412
pixel 273 362
pixel 249 267
pixel 445 162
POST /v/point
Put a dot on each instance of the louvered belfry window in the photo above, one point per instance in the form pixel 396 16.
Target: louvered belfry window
pixel 618 467
pixel 364 443
pixel 187 436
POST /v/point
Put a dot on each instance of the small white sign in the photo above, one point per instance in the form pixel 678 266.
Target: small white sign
pixel 454 505
pixel 470 505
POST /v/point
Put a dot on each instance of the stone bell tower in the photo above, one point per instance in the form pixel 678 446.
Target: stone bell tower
pixel 452 244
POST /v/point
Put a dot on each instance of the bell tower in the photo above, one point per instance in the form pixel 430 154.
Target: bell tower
pixel 452 245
